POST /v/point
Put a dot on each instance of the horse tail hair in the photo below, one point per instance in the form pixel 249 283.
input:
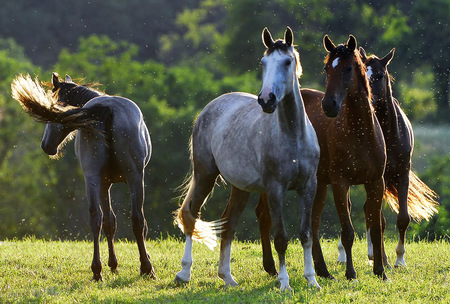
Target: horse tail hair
pixel 44 107
pixel 422 201
pixel 201 231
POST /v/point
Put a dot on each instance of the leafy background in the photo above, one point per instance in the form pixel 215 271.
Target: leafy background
pixel 172 58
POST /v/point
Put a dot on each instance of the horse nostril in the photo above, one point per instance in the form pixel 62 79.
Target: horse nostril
pixel 271 96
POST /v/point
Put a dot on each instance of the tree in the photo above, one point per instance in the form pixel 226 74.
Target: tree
pixel 431 32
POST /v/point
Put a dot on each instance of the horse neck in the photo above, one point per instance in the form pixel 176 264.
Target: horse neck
pixel 386 110
pixel 291 112
pixel 80 95
pixel 359 114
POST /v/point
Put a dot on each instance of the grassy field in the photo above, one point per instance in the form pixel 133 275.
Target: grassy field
pixel 59 272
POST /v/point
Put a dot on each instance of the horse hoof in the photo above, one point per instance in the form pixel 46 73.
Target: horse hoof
pixel 98 277
pixel 180 281
pixel 400 263
pixel 285 288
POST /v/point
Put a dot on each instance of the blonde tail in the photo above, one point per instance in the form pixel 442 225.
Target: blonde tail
pixel 421 199
pixel 201 231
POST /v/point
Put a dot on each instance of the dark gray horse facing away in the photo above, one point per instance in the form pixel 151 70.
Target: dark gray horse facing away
pixel 270 147
pixel 112 145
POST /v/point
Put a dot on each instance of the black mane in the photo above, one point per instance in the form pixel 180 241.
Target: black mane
pixel 76 95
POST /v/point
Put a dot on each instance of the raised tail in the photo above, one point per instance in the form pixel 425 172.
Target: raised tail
pixel 421 199
pixel 44 107
pixel 201 231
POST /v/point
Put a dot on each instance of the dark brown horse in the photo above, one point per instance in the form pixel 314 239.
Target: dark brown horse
pixel 352 153
pixel 405 192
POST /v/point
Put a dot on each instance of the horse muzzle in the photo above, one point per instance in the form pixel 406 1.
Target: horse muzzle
pixel 330 107
pixel 268 105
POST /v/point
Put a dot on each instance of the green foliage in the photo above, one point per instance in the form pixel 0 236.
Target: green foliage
pixel 58 272
pixel 172 58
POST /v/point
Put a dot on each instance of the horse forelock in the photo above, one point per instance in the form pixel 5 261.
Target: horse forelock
pixel 281 46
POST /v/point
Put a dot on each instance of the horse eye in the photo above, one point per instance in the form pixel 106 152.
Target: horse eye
pixel 349 69
pixel 287 62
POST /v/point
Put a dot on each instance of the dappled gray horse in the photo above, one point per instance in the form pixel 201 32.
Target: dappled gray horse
pixel 270 150
pixel 112 145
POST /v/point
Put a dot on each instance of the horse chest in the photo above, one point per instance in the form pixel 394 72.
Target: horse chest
pixel 356 163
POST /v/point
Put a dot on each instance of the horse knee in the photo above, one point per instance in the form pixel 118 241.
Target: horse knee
pixel 280 241
pixel 305 237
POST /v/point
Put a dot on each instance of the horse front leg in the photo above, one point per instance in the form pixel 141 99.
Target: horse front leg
pixel 95 221
pixel 275 199
pixel 374 192
pixel 236 204
pixel 341 198
pixel 109 225
pixel 265 224
pixel 403 219
pixel 307 196
pixel 139 224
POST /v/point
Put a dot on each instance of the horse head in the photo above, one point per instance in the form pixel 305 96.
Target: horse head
pixel 343 67
pixel 281 68
pixel 55 134
pixel 377 74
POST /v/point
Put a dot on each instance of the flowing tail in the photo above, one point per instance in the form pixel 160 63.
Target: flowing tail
pixel 44 107
pixel 201 231
pixel 421 199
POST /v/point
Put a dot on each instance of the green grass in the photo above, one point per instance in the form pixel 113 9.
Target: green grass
pixel 59 272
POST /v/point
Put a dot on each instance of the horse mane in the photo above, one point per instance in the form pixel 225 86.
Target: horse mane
pixel 281 46
pixel 342 51
pixel 79 94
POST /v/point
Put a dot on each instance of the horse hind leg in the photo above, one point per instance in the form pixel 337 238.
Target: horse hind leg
pixel 403 220
pixel 139 224
pixel 236 204
pixel 95 221
pixel 265 225
pixel 109 225
pixel 200 187
pixel 342 257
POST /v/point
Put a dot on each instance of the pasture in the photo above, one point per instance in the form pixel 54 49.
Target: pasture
pixel 39 271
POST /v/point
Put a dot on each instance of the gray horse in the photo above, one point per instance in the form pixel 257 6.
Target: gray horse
pixel 112 145
pixel 270 150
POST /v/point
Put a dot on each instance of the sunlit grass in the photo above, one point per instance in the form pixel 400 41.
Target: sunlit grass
pixel 41 271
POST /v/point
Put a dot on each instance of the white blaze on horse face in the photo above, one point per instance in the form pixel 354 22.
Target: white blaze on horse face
pixel 335 63
pixel 369 72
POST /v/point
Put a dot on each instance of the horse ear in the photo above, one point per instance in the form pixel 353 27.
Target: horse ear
pixel 387 59
pixel 68 79
pixel 328 44
pixel 351 43
pixel 289 36
pixel 363 54
pixel 267 38
pixel 55 80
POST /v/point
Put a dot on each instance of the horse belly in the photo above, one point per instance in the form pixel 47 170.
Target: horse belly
pixel 240 174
